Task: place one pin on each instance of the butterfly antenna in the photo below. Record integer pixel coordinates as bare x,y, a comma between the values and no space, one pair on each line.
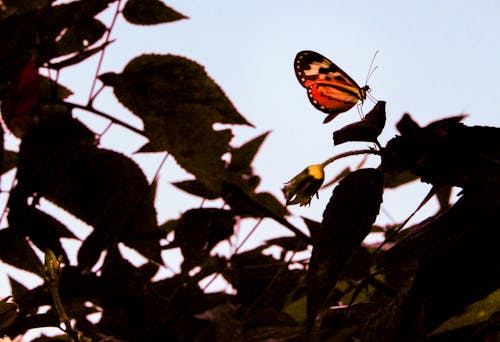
371,69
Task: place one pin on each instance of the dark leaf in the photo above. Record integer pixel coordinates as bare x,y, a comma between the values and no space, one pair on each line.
443,195
43,230
446,152
15,251
367,129
289,243
179,104
261,277
242,157
199,230
269,201
478,312
196,188
79,57
347,220
11,7
59,161
51,90
149,12
396,179
80,36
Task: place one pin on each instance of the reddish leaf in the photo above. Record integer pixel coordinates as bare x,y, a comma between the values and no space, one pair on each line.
20,100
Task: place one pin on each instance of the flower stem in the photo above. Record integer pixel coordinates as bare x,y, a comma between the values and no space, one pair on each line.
348,154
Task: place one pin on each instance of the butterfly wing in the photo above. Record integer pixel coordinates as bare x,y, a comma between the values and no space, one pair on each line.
329,88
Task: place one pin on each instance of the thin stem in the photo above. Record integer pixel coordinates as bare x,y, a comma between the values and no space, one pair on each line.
348,154
101,57
104,115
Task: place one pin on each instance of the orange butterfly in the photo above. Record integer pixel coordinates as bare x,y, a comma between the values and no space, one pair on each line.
330,89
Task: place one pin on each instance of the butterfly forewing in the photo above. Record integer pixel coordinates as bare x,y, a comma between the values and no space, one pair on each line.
329,88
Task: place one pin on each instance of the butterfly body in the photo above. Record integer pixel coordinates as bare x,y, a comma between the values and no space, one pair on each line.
329,88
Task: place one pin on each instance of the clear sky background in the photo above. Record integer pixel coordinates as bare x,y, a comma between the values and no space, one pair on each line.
436,59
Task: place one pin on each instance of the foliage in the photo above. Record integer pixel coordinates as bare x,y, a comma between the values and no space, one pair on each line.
437,280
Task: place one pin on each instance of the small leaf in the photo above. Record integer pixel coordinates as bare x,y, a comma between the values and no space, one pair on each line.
289,243
199,230
242,157
15,251
367,129
79,57
476,313
8,313
150,12
396,179
80,36
53,90
196,188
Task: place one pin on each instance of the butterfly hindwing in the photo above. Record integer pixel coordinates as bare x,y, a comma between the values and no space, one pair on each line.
329,88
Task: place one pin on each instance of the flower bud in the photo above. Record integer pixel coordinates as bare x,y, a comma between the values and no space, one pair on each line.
301,188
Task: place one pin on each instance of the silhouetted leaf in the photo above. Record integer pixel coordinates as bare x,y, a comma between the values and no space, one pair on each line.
15,251
446,152
80,36
60,161
79,57
347,220
52,90
11,7
367,129
43,230
199,230
196,188
396,179
179,103
242,157
149,12
289,243
475,313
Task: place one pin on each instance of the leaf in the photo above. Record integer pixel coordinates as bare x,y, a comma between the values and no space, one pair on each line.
196,188
8,313
15,251
446,152
242,157
199,230
149,12
367,129
43,230
21,98
51,90
289,243
396,179
476,313
80,36
59,161
78,57
11,7
347,220
179,104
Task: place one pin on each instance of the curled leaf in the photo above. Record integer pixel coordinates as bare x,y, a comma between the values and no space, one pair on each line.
367,129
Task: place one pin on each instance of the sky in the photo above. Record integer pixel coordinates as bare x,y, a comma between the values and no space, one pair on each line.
435,59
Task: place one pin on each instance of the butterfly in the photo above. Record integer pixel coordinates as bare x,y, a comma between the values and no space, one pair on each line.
329,88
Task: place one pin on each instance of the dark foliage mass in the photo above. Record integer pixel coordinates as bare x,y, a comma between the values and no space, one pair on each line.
438,280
